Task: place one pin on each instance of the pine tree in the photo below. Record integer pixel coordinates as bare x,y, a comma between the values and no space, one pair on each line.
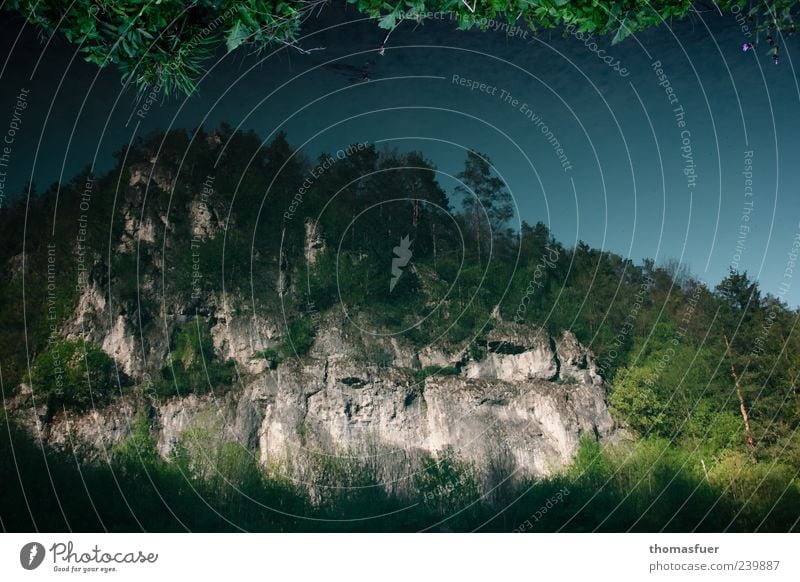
487,202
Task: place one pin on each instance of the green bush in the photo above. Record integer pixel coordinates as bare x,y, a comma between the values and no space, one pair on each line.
635,404
194,366
74,374
297,341
273,357
300,336
429,371
449,487
138,451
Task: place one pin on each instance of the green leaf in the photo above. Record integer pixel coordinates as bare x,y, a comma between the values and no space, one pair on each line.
237,35
388,21
622,33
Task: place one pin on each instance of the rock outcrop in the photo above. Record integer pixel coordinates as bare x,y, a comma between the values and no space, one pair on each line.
525,403
518,400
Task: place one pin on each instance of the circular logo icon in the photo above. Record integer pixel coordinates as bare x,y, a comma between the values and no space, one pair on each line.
31,555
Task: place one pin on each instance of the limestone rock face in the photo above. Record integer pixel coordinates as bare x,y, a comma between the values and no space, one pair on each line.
516,355
119,343
314,241
113,327
536,363
241,336
577,363
90,434
516,401
523,407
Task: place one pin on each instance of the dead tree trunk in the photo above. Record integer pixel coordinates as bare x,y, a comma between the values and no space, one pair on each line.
748,434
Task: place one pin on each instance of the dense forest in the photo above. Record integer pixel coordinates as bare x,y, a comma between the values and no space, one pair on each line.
703,379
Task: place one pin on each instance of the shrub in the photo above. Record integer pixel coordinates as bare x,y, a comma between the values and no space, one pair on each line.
447,484
194,366
634,403
300,336
429,371
298,340
74,374
272,355
138,450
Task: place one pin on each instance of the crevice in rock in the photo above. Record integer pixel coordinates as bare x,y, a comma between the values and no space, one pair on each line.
505,348
308,397
493,401
556,359
352,381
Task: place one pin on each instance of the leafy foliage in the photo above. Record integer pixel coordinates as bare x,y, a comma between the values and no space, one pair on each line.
448,485
164,45
73,373
214,486
299,338
636,403
194,366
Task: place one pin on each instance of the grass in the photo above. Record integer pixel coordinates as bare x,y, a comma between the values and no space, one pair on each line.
212,485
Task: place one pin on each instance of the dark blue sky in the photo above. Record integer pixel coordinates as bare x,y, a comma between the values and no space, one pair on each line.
625,189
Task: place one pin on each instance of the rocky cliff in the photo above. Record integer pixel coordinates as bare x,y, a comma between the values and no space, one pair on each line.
518,404
520,407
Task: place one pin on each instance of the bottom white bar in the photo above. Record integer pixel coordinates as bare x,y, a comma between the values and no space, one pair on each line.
400,557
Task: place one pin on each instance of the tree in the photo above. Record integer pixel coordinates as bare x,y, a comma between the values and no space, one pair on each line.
635,403
486,201
738,291
748,432
741,315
